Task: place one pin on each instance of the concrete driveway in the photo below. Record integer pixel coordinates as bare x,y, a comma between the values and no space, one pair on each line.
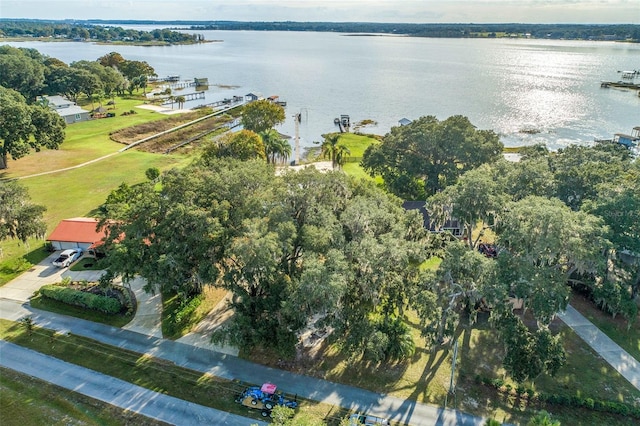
148,314
22,287
202,357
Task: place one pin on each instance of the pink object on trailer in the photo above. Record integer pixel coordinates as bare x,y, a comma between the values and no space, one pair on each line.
268,388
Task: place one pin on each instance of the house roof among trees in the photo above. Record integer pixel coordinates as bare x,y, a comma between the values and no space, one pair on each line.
78,229
427,222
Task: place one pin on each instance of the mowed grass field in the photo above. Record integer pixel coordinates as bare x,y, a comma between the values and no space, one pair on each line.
79,191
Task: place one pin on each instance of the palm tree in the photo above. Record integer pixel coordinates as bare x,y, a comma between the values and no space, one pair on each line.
276,148
331,149
180,100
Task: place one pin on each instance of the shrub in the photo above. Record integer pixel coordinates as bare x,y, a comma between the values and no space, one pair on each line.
28,324
81,298
613,407
177,319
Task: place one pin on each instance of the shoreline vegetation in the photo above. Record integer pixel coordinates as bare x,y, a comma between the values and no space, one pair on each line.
172,32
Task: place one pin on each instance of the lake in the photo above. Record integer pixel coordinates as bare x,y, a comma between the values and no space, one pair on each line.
527,91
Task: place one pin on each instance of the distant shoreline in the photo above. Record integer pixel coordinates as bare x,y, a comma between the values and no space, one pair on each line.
587,32
112,43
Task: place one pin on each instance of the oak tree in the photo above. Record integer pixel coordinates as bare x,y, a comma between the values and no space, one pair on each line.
25,127
425,156
262,115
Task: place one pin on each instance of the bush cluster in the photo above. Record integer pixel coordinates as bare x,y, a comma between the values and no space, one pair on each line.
611,407
128,300
81,298
176,320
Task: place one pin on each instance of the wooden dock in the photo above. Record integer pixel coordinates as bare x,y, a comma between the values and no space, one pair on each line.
344,122
187,97
179,85
236,100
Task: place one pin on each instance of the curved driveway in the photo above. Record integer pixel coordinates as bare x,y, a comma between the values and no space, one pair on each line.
14,305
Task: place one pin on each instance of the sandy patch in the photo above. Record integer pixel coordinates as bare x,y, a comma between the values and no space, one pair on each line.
323,166
163,109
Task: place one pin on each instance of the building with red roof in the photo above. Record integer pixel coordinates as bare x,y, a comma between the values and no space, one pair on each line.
78,232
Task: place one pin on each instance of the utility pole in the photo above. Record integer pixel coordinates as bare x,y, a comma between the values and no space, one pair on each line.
297,118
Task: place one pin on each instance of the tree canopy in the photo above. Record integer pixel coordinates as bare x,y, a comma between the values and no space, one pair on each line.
21,71
262,115
24,127
290,248
19,217
243,145
426,155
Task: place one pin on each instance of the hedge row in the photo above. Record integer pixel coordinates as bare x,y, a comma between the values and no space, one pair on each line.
81,298
612,407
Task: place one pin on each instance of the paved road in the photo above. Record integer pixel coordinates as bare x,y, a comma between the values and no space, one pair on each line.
617,357
142,336
230,367
115,391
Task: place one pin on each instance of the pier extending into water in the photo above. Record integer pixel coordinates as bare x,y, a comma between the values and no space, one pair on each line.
343,123
187,97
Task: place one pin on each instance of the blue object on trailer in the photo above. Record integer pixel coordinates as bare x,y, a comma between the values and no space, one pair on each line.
264,398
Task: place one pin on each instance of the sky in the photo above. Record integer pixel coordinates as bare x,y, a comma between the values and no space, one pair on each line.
409,11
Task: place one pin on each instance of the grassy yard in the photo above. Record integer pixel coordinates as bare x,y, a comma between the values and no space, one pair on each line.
585,374
149,372
624,334
357,144
78,192
84,141
211,296
426,376
37,403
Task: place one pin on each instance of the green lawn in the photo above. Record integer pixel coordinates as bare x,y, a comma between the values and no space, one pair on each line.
34,402
78,192
585,374
149,372
624,334
357,144
84,141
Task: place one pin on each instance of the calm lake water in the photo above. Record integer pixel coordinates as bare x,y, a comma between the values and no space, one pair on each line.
509,86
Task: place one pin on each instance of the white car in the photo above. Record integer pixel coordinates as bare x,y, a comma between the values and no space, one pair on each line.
67,257
367,420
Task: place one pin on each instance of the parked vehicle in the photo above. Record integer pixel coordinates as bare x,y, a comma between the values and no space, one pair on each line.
67,257
367,420
264,398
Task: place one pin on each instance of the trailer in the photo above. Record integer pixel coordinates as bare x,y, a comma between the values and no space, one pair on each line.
265,398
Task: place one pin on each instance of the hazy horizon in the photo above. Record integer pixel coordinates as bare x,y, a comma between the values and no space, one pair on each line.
406,11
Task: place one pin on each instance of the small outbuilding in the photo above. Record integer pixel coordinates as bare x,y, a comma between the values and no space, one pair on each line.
253,96
404,121
78,232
